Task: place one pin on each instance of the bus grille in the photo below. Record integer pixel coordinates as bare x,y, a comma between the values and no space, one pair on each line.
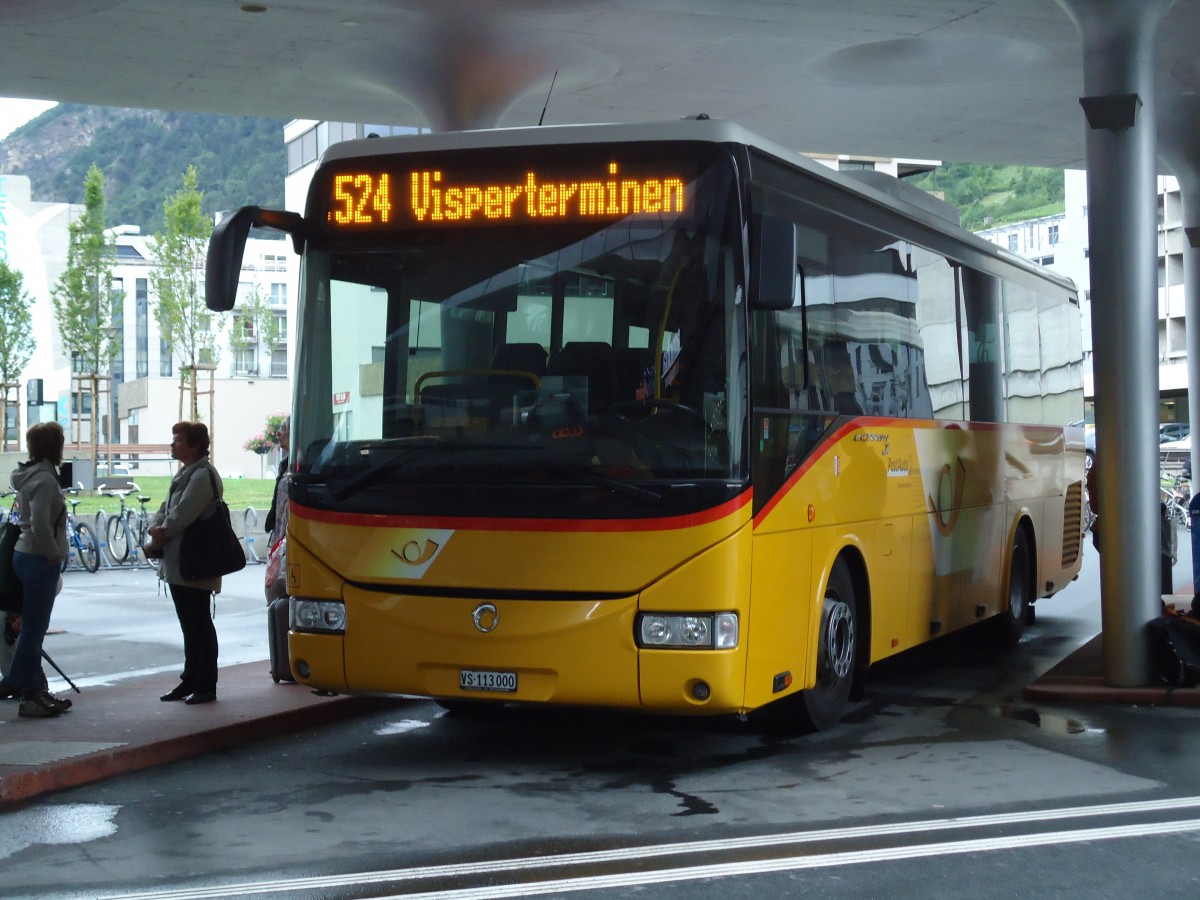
1072,524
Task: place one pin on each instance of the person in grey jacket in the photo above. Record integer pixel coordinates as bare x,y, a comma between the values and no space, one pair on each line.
37,562
193,494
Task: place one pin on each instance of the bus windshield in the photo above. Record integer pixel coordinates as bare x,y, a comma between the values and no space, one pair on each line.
582,366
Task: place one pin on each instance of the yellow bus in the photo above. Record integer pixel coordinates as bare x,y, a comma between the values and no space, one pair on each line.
657,417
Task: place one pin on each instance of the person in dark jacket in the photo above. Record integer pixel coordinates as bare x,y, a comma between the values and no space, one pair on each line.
1168,550
285,436
37,562
192,495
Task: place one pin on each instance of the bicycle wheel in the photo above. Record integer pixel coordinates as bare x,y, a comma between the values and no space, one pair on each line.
87,548
1179,514
119,539
143,536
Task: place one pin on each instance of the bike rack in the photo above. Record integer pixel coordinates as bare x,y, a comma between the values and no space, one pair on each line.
101,520
250,523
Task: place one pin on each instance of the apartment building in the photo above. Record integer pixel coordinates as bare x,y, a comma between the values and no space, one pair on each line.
1060,242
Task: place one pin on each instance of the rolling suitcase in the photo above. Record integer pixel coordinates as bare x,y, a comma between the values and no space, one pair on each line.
277,640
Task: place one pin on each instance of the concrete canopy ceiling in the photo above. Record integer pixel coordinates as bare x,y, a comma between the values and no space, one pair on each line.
959,80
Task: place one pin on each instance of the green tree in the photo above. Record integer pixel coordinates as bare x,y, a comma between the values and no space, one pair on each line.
255,321
16,339
84,300
183,320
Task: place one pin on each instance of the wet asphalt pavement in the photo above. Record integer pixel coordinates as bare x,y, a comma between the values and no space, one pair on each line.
944,782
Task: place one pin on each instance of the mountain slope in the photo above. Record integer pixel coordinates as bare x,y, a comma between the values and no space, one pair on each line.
143,155
242,160
986,196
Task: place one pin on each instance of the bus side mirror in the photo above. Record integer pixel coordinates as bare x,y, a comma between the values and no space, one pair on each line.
223,265
773,250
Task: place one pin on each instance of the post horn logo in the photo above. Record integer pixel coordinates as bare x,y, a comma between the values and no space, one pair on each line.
948,503
414,554
486,617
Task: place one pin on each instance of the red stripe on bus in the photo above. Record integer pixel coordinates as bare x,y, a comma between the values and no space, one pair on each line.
819,453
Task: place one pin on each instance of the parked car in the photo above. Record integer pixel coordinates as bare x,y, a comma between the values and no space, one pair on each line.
1173,431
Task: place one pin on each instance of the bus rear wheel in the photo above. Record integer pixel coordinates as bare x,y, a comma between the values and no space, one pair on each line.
1011,623
823,705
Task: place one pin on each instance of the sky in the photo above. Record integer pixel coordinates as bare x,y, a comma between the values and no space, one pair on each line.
15,113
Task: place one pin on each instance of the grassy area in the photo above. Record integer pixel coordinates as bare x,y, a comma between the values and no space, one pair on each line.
239,493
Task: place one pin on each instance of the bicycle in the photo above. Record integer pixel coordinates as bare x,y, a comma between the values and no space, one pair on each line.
1176,497
127,530
81,540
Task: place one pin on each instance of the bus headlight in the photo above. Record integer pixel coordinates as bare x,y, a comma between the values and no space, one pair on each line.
324,616
700,631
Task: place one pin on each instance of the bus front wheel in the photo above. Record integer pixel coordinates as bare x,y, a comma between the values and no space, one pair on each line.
822,705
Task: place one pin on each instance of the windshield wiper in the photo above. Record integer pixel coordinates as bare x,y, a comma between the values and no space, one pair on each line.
407,447
402,453
633,491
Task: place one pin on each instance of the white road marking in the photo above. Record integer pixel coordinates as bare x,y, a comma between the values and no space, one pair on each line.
722,870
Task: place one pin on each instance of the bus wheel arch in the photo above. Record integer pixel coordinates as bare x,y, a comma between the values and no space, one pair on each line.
857,567
842,645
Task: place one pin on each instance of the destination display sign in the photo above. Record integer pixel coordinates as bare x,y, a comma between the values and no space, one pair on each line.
440,196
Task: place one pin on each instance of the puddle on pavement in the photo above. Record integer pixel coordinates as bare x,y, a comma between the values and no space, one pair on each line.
401,727
74,823
1048,722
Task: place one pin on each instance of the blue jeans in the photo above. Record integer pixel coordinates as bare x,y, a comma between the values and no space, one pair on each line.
39,578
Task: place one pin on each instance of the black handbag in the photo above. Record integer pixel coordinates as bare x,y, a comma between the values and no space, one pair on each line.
209,548
12,592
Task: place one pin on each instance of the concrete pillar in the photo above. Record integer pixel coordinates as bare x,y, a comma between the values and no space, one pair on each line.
1119,104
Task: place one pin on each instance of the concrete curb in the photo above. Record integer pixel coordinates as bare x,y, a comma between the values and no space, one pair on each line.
1080,679
125,728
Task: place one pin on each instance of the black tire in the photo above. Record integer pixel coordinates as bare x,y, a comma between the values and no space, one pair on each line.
824,704
142,534
87,548
119,539
1017,613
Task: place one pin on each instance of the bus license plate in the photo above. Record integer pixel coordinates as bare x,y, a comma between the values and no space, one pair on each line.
475,680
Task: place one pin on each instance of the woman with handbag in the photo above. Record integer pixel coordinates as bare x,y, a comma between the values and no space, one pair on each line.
193,495
37,561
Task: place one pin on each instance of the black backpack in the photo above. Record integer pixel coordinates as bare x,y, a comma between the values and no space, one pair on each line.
1175,648
12,593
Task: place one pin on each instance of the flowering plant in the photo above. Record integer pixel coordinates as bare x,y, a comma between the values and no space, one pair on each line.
274,426
259,444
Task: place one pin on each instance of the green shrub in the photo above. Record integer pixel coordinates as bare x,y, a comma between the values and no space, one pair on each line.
239,494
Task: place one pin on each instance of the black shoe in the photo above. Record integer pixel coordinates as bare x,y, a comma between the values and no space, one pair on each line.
38,707
182,692
201,697
7,691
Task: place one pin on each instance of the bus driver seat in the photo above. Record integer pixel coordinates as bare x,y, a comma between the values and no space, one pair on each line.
596,361
522,357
